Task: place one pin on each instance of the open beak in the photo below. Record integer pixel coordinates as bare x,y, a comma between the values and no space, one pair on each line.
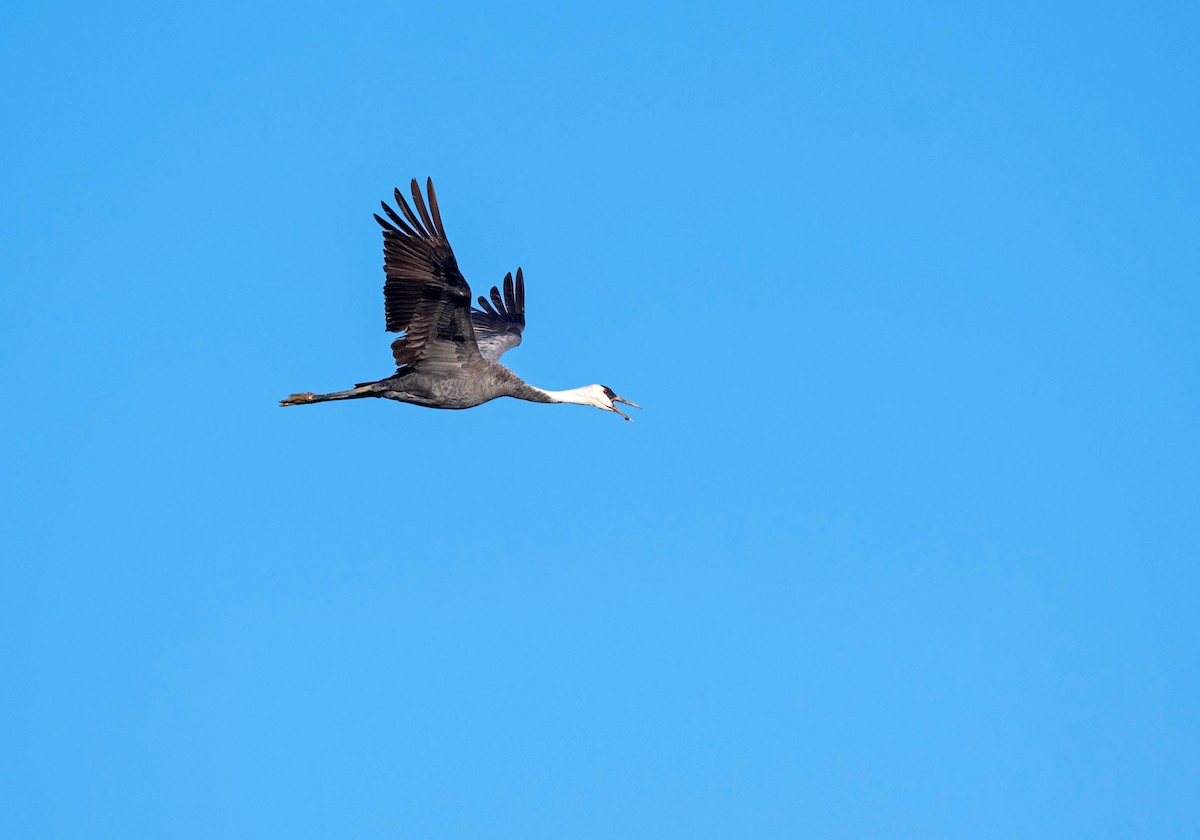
626,402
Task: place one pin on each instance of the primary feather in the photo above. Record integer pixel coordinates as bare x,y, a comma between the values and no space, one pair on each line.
500,321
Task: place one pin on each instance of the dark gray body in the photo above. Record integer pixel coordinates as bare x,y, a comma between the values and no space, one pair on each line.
486,381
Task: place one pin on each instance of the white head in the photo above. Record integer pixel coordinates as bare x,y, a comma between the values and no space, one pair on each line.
602,397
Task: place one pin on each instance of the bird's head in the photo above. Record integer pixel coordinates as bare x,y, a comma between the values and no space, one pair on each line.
604,398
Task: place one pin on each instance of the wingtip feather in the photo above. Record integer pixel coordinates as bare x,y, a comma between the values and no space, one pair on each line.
402,203
419,201
434,209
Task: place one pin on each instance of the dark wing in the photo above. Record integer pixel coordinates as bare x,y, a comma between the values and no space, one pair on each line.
425,295
498,325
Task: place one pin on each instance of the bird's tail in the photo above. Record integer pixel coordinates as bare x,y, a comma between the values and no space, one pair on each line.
310,397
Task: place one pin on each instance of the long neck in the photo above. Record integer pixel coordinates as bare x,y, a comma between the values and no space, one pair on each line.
574,395
529,392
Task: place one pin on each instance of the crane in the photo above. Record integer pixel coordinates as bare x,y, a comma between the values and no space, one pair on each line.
447,355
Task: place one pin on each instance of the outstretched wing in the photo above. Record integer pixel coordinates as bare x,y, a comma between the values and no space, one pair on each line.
425,295
498,325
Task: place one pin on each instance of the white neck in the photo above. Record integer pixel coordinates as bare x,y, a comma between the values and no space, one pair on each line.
574,395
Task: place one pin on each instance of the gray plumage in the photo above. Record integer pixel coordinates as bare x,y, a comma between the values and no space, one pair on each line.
446,355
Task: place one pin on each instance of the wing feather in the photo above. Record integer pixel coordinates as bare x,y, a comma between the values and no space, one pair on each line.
500,322
433,208
425,295
420,202
402,203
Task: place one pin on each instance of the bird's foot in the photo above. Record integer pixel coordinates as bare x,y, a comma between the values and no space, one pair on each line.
299,399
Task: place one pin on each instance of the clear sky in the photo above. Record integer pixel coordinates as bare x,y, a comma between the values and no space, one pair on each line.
904,544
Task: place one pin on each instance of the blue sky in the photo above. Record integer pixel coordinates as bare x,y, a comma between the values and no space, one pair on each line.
904,543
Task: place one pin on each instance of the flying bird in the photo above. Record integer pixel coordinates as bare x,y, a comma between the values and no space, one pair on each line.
447,355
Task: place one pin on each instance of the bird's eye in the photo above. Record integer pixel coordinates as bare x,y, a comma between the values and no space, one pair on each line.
608,392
